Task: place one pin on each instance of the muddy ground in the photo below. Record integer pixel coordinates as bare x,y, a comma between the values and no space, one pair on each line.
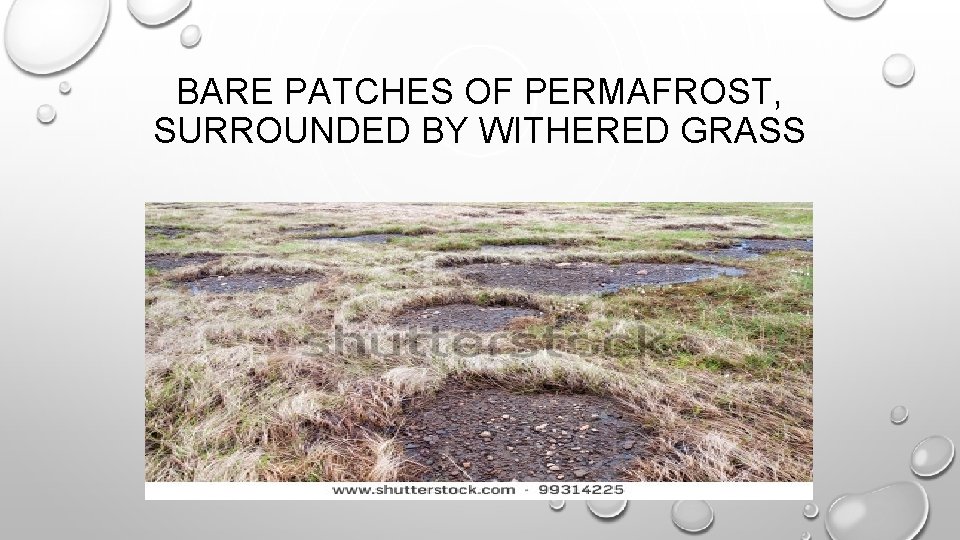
166,231
465,317
492,434
587,278
250,282
169,261
763,245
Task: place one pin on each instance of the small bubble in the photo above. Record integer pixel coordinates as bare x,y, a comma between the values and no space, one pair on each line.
190,36
932,456
805,536
155,12
557,505
46,114
854,9
46,36
692,516
899,414
811,511
893,512
898,69
65,87
606,509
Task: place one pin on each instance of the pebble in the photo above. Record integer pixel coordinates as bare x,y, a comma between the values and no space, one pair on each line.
486,434
627,445
580,473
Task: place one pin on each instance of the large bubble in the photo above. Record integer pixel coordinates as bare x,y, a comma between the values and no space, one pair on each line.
46,36
156,12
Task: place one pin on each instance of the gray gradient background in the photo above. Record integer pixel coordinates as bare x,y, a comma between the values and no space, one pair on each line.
880,165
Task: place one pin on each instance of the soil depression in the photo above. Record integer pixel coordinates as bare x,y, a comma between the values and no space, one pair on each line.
491,434
587,278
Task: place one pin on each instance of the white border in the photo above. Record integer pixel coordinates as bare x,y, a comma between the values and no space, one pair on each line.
306,491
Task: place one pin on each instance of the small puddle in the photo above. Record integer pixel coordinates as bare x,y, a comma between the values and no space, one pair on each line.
587,278
484,435
467,317
249,282
754,248
169,261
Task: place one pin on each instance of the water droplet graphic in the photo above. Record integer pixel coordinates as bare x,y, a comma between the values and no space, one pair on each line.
156,12
692,516
65,87
854,9
811,511
46,114
606,509
932,456
805,536
190,36
46,36
893,512
898,69
899,414
557,505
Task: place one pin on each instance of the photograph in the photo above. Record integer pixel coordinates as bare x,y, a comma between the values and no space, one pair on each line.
478,342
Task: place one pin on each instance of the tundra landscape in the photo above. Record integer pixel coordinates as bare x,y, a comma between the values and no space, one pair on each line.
479,342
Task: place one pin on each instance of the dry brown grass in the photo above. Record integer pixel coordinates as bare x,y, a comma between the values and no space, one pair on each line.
245,386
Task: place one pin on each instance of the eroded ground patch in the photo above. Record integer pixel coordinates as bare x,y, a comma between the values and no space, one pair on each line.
465,317
169,261
763,245
587,278
248,282
495,435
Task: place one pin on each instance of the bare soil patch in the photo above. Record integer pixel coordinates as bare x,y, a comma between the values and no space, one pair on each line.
468,317
248,282
586,278
766,245
169,261
696,227
482,435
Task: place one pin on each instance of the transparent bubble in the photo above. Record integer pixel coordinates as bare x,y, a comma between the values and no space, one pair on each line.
46,36
811,510
893,512
65,87
46,114
190,36
692,516
932,456
606,509
155,12
898,69
854,9
557,505
805,536
899,414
